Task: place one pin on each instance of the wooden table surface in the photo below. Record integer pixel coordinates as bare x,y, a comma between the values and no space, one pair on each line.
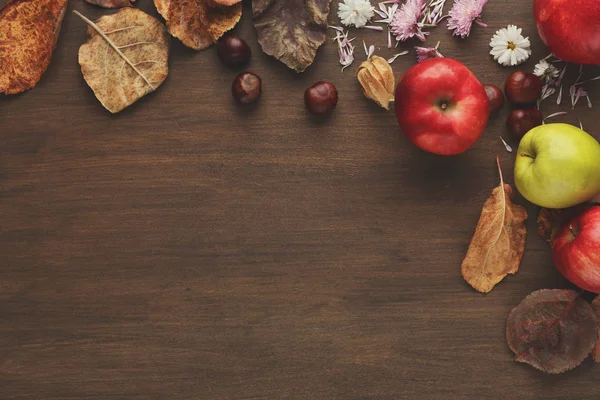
191,249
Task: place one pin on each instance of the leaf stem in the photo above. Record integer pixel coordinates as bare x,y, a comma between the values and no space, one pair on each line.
113,45
500,172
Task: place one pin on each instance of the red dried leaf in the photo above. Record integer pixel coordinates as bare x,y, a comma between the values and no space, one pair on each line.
549,221
198,23
552,330
111,3
28,33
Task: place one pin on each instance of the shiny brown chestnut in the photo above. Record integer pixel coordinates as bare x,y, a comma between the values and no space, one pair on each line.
321,98
523,88
521,121
246,88
233,51
495,96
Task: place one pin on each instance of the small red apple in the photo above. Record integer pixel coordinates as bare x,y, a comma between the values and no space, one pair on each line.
441,106
576,250
570,29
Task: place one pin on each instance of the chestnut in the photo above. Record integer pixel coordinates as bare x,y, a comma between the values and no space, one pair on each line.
246,88
495,96
523,88
321,98
233,51
521,121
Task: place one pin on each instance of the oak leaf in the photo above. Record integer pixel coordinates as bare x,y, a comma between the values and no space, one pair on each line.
111,3
125,58
198,23
291,30
28,33
227,3
552,330
497,246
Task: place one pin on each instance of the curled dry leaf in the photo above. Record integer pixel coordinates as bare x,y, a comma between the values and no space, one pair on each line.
596,309
550,220
28,33
125,58
198,23
552,330
377,80
111,3
497,246
291,30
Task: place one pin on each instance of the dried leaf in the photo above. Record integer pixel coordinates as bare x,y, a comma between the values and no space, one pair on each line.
198,23
291,30
28,33
227,3
550,220
125,58
497,246
552,330
377,80
596,308
111,3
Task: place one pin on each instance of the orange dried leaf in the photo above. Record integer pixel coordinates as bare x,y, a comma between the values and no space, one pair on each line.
497,246
198,23
111,3
28,33
227,3
125,58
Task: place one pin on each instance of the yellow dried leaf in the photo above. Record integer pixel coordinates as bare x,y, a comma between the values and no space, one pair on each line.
497,246
125,58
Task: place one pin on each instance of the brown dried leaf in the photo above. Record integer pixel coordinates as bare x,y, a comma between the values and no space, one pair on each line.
550,220
497,246
291,30
198,23
552,330
125,58
596,309
377,80
28,33
111,3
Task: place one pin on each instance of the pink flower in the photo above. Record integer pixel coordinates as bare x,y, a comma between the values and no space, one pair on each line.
405,23
462,15
423,53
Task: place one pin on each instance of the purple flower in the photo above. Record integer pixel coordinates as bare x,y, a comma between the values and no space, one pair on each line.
423,53
405,23
462,15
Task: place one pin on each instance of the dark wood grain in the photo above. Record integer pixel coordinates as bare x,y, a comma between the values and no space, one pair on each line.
191,249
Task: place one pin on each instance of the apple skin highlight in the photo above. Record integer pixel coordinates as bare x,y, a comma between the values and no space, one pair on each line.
441,106
576,250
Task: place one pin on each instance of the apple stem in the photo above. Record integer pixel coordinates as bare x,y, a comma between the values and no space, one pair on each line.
527,155
573,231
500,170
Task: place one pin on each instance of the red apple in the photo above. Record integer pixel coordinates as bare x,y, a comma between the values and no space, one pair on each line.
570,29
441,106
576,250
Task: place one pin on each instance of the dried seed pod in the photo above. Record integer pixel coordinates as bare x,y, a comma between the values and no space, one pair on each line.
377,80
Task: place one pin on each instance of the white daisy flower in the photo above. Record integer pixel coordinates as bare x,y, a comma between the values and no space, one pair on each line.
509,47
356,12
546,71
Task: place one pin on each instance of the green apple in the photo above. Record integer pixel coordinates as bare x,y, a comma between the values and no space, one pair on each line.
558,166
